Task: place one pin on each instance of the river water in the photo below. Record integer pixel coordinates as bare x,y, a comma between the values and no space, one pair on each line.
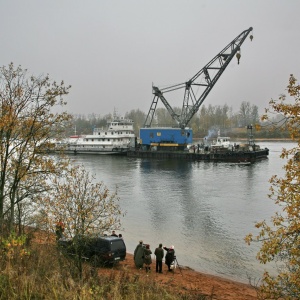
204,209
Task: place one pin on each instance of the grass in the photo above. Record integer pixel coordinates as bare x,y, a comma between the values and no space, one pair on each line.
44,273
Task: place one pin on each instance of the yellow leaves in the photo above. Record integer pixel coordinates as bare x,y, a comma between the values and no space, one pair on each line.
257,127
249,238
14,246
260,224
281,240
84,205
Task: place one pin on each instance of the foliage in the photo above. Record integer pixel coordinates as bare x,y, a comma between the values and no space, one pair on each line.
46,274
281,240
85,208
13,247
27,126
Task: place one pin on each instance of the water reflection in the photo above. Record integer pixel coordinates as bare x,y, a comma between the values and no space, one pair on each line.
204,209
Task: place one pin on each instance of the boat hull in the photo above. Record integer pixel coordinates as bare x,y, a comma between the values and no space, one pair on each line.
210,156
97,151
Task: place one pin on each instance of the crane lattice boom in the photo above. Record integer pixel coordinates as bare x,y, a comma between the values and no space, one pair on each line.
205,79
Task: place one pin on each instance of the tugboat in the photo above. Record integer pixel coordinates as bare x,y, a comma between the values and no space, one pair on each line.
223,150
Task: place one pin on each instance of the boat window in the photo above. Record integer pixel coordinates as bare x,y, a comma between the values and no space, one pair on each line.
92,140
105,133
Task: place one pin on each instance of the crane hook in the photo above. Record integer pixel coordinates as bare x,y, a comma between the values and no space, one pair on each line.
238,56
251,37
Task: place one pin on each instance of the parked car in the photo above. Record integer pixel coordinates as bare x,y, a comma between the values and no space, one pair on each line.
99,250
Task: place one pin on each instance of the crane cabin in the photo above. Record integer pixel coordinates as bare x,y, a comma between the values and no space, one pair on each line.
165,138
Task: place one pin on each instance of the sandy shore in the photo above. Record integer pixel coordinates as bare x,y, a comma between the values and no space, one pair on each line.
186,280
183,279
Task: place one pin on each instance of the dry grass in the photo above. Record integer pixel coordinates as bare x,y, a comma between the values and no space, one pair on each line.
46,274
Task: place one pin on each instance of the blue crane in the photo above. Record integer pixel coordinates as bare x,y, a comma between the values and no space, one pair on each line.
204,80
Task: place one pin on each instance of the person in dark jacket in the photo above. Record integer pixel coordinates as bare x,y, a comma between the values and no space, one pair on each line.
147,257
138,255
169,256
159,253
114,233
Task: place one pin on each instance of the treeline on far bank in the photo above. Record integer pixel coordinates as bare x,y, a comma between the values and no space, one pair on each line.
207,122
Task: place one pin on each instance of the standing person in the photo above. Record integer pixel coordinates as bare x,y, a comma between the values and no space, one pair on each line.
114,233
159,253
138,255
147,257
169,256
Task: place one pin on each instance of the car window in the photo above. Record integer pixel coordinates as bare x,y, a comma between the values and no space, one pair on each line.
115,245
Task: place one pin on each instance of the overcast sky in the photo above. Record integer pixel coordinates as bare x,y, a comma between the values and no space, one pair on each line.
112,51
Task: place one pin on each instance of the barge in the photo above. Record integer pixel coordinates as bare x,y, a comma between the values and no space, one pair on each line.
233,155
219,150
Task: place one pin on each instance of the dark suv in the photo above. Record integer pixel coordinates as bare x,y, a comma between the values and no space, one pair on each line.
99,250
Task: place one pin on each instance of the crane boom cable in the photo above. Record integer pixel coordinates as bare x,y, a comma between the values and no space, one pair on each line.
222,59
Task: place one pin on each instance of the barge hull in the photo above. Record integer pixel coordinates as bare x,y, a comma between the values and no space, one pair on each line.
230,156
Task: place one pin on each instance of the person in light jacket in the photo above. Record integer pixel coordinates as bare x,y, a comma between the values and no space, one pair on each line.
147,257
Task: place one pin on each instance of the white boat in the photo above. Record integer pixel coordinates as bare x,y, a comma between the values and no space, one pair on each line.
222,142
116,139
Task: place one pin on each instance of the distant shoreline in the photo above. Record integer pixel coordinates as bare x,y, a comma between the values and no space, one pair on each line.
259,139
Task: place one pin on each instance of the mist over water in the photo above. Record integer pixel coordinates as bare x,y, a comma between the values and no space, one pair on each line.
204,209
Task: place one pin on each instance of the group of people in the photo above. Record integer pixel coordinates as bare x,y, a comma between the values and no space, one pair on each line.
142,256
114,234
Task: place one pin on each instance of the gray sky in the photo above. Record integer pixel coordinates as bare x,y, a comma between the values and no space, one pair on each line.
112,51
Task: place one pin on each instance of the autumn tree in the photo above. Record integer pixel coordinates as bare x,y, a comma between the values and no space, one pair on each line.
280,240
27,125
85,207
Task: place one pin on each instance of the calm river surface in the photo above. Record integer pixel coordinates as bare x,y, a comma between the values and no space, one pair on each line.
203,209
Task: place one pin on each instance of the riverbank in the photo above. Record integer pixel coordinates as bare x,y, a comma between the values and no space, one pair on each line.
185,280
182,280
